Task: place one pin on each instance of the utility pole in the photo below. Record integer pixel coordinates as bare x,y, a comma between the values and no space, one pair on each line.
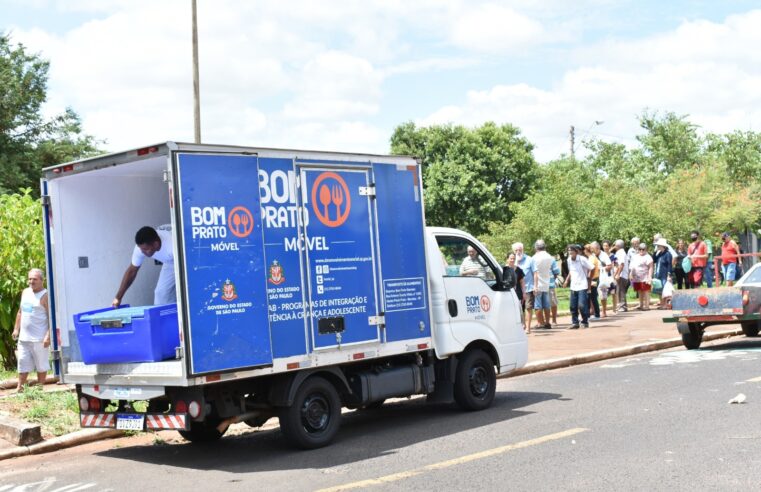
573,140
196,84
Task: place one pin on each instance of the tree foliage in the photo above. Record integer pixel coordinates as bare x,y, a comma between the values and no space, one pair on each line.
29,141
470,175
21,248
673,182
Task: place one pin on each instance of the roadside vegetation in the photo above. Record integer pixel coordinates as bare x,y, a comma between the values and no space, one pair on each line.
55,411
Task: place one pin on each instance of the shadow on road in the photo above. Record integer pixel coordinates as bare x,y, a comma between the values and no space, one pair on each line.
363,435
742,343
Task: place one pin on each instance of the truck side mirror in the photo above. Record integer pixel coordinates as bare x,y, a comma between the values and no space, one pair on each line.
508,278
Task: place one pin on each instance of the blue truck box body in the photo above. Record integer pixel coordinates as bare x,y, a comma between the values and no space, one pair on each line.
284,257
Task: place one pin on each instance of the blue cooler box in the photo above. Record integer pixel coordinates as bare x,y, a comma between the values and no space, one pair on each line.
128,334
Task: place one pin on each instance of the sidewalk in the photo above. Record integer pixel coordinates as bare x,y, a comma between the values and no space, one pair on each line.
617,336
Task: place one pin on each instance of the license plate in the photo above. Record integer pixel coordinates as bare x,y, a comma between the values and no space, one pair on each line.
130,422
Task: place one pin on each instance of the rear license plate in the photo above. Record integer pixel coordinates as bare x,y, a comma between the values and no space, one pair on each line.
130,422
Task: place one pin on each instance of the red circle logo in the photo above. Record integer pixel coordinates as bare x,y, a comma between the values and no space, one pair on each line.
485,304
333,200
240,221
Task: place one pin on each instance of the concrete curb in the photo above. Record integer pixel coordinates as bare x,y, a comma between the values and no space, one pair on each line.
66,441
546,365
12,383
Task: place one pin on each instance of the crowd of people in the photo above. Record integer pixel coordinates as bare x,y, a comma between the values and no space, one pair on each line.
600,272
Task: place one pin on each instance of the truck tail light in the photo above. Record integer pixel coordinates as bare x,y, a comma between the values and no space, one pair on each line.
703,301
180,407
90,404
194,409
746,298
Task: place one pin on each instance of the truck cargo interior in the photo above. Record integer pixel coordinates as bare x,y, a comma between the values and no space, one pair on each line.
103,210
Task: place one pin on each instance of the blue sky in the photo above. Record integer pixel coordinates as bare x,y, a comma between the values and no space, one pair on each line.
339,75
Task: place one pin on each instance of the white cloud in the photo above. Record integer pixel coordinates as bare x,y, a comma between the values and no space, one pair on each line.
494,29
709,71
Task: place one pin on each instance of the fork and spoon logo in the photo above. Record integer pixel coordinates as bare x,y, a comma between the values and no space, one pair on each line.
333,200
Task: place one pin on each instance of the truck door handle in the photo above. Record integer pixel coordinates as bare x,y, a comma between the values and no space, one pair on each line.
452,308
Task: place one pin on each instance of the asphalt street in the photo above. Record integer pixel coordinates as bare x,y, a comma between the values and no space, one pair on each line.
659,421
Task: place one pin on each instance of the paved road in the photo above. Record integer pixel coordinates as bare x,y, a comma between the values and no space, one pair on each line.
658,421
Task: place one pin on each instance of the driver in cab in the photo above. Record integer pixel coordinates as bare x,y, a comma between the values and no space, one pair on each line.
471,266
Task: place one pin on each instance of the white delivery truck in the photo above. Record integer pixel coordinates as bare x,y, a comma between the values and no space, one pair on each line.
306,282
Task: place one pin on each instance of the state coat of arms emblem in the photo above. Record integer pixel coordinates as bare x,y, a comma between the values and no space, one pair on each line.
228,291
276,276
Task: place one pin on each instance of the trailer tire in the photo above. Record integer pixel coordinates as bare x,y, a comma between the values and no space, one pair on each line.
475,381
313,419
202,432
694,338
751,328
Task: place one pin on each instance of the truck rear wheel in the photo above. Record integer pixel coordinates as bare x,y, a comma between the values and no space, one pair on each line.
694,338
200,432
475,381
751,328
313,419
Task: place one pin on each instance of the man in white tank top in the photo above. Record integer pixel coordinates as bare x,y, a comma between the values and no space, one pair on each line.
32,331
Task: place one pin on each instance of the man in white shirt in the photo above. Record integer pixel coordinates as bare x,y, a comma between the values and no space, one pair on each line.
579,268
32,331
542,273
621,275
471,265
158,245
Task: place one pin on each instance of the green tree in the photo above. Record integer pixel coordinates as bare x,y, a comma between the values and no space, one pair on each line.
741,151
28,141
21,248
470,176
669,143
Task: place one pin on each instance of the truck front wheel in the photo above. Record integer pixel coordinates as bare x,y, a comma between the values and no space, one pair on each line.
313,419
694,337
475,381
751,328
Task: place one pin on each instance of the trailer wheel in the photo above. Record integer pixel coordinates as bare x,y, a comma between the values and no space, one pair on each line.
201,432
315,415
751,328
694,338
475,381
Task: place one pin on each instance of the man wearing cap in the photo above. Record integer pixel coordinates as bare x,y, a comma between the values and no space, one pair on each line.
729,259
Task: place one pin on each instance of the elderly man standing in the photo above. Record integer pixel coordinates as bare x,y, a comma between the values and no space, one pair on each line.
621,275
526,263
32,332
542,273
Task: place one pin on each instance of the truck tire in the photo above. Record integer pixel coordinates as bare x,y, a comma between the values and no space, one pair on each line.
201,432
694,338
313,419
475,381
751,328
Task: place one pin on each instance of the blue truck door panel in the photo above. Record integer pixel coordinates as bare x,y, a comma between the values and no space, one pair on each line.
401,237
224,266
338,241
285,291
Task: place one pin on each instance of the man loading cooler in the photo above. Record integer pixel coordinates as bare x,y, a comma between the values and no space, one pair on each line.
156,244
